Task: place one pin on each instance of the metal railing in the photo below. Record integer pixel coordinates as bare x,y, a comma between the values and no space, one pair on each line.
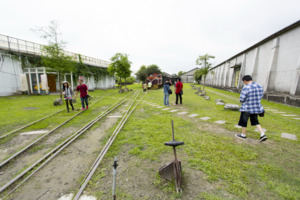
26,47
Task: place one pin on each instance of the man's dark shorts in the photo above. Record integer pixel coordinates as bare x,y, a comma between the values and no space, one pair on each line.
244,119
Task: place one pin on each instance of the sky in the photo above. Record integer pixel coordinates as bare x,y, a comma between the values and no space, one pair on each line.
168,33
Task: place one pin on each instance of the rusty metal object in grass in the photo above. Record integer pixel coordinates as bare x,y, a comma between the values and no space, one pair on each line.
173,169
115,165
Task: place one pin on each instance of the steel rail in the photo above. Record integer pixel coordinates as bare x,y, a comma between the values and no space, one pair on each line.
40,138
14,131
105,149
50,155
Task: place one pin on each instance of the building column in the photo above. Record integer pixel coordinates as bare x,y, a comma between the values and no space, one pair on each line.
272,65
295,90
37,81
72,85
255,64
242,72
47,86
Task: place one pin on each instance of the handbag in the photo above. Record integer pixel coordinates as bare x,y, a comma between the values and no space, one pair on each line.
170,91
262,114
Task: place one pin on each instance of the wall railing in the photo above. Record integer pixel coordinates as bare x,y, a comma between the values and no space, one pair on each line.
26,47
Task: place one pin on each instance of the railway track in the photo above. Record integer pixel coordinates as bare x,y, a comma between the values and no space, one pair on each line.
32,123
32,169
106,148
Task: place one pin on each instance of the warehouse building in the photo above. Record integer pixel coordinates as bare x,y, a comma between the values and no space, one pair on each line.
16,78
273,62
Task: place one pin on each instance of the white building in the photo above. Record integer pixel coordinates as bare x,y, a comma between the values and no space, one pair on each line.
188,77
15,78
273,62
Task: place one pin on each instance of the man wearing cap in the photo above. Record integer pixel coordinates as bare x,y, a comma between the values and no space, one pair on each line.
83,94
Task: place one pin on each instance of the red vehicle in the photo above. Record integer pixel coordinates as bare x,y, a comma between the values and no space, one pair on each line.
156,80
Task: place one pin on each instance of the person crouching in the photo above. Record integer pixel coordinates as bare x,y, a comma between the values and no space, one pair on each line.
68,94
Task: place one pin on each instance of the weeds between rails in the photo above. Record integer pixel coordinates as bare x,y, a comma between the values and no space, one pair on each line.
106,148
45,159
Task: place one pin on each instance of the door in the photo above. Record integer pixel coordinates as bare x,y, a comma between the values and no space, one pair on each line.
51,82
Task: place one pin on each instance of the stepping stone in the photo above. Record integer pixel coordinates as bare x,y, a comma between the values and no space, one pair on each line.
289,136
289,115
279,112
220,122
160,107
34,132
297,118
237,126
114,116
264,130
220,103
193,115
30,108
205,118
166,109
182,113
173,110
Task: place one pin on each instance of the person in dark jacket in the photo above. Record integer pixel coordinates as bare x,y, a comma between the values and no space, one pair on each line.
68,94
167,87
83,94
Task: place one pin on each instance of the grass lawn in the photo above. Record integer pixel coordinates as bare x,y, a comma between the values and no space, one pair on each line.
216,164
224,166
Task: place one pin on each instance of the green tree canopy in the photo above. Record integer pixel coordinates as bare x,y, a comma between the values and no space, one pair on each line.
205,67
54,56
120,66
144,72
180,73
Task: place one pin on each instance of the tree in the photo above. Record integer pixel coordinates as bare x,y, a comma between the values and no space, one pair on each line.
153,69
180,73
205,66
198,75
53,54
142,73
120,66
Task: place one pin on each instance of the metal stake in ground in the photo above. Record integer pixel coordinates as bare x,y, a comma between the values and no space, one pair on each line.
176,164
115,165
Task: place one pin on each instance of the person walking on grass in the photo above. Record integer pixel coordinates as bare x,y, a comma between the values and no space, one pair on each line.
178,92
83,94
145,87
68,94
149,86
250,98
167,87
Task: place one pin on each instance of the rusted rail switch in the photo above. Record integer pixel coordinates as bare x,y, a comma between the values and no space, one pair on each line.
172,171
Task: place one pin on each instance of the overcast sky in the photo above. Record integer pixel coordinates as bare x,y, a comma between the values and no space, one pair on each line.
169,33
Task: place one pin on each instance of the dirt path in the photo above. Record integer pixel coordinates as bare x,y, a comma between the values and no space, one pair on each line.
63,174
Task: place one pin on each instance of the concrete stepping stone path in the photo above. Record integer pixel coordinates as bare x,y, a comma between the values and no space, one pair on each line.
237,126
289,136
220,122
181,113
160,107
297,118
204,118
264,130
193,115
173,110
166,108
289,115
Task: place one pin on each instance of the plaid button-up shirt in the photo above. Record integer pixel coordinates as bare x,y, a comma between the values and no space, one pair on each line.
250,98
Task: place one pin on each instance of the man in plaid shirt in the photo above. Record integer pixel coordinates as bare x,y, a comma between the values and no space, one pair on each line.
250,98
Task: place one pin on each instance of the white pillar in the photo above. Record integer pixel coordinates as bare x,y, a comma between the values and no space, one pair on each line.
37,80
72,81
30,80
296,81
47,87
272,65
